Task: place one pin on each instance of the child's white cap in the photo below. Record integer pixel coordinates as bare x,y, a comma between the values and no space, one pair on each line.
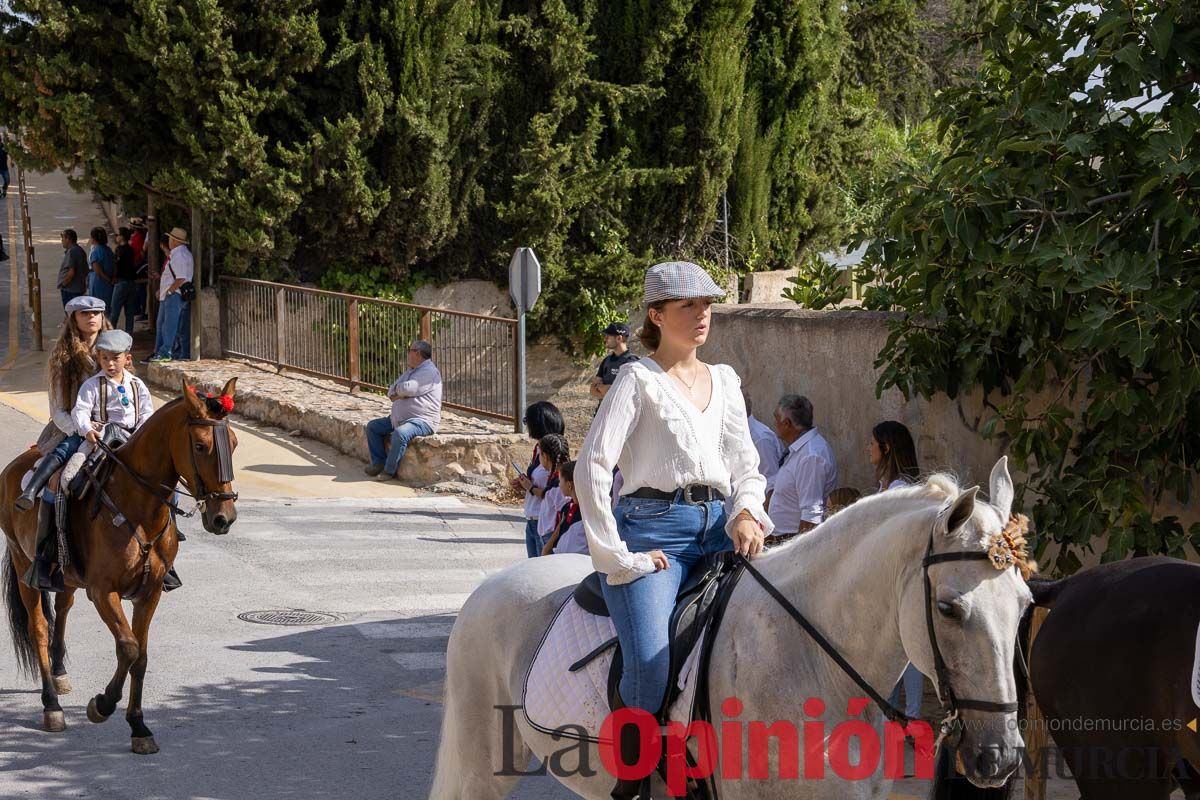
114,341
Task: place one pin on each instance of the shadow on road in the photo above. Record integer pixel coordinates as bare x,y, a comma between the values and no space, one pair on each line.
315,712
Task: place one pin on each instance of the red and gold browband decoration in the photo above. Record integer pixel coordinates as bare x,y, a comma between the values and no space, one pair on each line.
225,400
1008,548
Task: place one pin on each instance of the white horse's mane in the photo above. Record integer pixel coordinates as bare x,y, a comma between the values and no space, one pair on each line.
940,488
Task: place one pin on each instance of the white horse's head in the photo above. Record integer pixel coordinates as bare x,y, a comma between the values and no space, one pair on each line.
976,610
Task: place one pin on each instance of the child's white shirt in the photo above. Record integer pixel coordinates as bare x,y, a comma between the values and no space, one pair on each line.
129,415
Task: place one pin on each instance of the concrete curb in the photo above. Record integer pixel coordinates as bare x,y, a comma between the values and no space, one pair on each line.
447,456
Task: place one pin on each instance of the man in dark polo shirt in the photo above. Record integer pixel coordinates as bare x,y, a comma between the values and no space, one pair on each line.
73,273
616,339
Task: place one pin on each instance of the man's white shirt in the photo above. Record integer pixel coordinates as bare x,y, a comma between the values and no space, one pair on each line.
803,482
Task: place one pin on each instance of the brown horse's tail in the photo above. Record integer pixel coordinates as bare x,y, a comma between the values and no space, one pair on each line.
18,618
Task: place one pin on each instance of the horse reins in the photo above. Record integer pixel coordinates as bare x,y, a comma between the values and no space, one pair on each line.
224,450
951,725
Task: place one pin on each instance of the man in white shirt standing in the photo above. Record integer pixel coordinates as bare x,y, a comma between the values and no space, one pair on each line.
769,446
173,310
807,472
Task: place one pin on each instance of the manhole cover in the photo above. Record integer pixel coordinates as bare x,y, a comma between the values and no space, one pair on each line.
295,616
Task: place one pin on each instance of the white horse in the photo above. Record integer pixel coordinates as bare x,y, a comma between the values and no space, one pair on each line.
858,578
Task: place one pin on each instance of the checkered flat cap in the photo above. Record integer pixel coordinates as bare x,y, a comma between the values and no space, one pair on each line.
679,280
114,341
84,303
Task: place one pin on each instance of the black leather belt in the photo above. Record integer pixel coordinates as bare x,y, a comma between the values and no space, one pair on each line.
692,495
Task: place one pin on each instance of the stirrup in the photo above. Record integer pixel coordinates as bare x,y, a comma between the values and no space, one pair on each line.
44,576
171,580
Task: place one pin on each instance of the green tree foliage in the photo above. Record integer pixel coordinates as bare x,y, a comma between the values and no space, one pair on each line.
193,98
366,143
1049,259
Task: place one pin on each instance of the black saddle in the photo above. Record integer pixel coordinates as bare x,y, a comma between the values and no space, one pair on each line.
701,599
96,463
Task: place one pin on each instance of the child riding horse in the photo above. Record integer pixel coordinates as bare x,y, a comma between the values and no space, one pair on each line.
122,552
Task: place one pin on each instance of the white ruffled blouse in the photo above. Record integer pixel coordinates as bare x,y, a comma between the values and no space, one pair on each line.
662,441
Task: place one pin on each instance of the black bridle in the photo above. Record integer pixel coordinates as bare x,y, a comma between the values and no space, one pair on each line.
951,727
224,448
199,492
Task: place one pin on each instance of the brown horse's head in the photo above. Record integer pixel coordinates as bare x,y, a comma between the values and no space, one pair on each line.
203,453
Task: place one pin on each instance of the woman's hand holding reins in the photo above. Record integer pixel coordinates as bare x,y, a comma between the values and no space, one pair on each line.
660,560
747,535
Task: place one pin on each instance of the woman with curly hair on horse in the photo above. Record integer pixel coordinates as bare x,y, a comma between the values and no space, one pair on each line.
72,362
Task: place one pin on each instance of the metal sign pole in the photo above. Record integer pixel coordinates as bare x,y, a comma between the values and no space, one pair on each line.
520,415
524,284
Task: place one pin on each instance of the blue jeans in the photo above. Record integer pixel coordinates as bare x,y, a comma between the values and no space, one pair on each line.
182,349
533,542
167,328
98,287
124,298
378,431
641,610
67,448
914,686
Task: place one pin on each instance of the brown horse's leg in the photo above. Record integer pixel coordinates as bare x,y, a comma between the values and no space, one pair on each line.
58,644
143,612
108,605
39,633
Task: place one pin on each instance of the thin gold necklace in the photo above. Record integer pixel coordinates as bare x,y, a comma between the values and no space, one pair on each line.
695,377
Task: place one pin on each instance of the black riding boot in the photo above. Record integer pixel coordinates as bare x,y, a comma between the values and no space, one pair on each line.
44,574
171,580
41,476
630,744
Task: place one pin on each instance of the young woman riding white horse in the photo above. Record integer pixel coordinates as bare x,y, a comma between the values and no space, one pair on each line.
678,428
902,576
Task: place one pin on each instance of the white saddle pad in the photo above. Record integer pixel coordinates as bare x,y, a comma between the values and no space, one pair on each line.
555,697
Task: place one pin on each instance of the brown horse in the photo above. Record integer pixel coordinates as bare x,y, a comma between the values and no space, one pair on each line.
122,552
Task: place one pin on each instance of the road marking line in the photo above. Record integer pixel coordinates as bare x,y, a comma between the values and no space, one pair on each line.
14,402
431,660
404,630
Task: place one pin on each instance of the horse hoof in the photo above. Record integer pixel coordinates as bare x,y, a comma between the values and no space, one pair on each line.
62,684
144,745
94,714
54,721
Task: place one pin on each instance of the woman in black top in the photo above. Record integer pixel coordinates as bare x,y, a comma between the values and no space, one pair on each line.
125,291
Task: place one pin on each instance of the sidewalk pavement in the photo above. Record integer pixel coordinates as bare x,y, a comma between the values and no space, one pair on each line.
270,463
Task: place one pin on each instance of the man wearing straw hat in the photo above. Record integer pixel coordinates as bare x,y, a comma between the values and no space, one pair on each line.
173,309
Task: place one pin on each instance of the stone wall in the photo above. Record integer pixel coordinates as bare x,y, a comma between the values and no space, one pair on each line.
328,413
767,287
828,356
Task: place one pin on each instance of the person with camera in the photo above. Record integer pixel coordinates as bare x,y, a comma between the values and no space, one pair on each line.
175,292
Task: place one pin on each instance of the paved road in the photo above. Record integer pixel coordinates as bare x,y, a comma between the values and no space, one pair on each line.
344,709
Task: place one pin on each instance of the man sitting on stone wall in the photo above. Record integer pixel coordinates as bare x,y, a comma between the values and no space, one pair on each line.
416,411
